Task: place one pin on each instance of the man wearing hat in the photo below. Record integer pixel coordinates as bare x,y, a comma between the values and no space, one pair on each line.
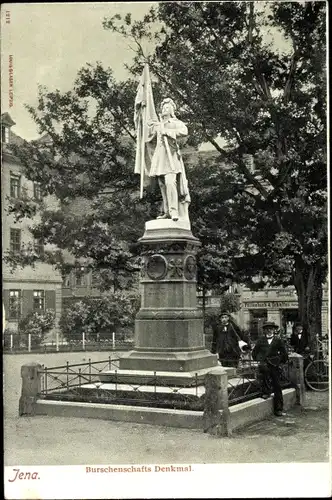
226,339
270,351
299,340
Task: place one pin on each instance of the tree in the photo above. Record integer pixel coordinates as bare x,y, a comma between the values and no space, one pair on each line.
98,317
37,324
261,223
231,82
229,303
86,160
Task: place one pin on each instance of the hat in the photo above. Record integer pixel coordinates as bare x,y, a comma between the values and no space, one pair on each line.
270,324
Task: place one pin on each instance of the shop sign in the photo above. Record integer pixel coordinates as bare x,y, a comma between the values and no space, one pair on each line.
271,304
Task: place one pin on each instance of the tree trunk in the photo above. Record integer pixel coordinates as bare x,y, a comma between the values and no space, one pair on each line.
308,282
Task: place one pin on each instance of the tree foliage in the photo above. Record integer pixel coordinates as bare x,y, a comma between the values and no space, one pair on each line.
261,223
220,62
99,317
37,324
229,303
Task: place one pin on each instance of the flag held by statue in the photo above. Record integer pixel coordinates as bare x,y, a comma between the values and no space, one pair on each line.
144,114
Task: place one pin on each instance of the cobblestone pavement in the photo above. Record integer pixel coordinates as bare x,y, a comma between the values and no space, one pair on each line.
301,436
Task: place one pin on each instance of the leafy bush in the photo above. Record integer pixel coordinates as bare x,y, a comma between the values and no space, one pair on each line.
98,317
37,323
210,318
229,303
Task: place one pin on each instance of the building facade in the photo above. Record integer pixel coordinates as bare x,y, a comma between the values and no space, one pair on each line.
276,304
28,288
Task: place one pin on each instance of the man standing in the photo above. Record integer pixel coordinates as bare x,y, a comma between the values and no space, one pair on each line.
299,340
225,341
270,351
167,164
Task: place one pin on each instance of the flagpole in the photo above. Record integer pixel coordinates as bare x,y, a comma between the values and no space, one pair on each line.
143,126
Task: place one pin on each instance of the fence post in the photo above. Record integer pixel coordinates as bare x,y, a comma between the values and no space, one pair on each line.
216,417
29,342
57,340
31,388
83,340
11,341
296,376
113,340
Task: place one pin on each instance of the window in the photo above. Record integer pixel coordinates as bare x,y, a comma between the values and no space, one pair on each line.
15,186
37,191
39,247
5,135
257,318
66,281
38,300
14,304
15,240
80,277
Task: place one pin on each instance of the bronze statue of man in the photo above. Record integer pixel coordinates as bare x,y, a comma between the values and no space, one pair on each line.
167,164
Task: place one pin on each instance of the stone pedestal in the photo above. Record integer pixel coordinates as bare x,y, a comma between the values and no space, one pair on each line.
169,333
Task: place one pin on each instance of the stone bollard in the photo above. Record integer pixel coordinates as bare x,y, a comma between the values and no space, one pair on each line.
217,422
296,376
31,387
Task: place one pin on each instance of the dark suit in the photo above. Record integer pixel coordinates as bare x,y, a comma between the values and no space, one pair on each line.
225,343
299,344
270,357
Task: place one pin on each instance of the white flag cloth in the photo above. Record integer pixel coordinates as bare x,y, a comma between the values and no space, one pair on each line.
144,113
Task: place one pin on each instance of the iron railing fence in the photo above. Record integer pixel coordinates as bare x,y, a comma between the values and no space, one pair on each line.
23,343
246,385
81,382
69,376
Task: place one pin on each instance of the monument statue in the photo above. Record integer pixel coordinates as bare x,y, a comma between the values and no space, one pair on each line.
158,153
169,326
167,164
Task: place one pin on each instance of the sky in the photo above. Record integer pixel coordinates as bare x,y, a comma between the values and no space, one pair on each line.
49,43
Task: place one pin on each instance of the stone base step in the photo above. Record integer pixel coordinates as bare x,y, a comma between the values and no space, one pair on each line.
240,415
186,398
162,378
163,389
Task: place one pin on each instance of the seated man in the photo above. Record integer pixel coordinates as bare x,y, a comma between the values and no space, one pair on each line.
270,352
